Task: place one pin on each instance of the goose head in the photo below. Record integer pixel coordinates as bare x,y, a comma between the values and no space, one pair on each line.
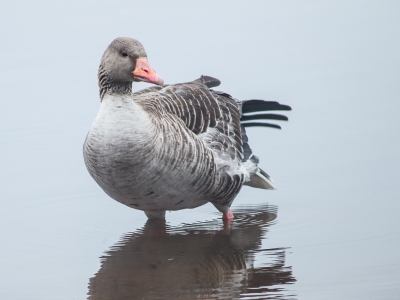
123,62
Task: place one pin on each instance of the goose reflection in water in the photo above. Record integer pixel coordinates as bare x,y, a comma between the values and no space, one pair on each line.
195,261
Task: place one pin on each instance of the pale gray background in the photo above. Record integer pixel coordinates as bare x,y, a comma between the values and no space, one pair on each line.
336,162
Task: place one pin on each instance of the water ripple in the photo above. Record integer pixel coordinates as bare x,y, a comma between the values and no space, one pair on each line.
203,260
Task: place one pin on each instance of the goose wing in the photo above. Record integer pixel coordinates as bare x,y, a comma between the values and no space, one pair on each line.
213,121
213,117
219,121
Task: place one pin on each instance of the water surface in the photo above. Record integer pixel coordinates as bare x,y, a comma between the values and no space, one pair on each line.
206,260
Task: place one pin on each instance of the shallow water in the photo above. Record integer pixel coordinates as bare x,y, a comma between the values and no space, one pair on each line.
330,231
206,260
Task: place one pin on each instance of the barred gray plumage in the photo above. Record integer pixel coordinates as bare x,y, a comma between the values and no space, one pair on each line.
170,147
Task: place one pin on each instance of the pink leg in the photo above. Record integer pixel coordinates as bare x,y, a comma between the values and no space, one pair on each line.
228,215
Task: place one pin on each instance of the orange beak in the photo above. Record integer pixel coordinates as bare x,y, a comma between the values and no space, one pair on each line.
143,72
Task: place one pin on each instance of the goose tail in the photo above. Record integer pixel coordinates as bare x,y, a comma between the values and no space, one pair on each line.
261,180
252,116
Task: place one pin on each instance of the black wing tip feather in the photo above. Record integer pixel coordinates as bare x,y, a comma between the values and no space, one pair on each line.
255,106
258,124
264,117
250,106
210,81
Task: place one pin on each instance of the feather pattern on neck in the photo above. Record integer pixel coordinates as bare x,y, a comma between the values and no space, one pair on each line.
107,86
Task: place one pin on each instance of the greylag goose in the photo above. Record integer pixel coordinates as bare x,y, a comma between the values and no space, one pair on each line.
170,147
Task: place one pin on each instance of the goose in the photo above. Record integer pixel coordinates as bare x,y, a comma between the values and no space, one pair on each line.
171,146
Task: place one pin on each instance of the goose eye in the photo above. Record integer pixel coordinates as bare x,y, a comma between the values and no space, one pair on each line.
124,54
